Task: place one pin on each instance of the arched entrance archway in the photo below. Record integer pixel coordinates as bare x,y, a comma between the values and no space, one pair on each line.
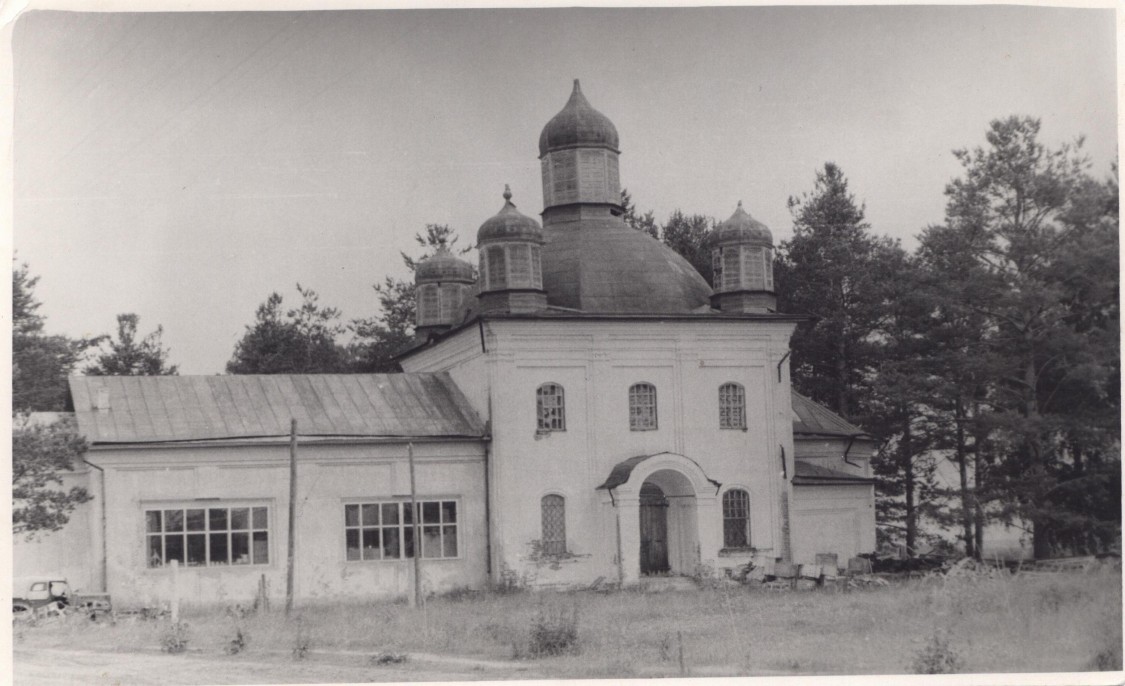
668,528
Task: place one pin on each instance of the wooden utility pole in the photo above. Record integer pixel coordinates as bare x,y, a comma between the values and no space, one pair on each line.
416,599
292,514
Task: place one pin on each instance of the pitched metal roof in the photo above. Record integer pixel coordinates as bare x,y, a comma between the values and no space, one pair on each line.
815,475
143,409
809,418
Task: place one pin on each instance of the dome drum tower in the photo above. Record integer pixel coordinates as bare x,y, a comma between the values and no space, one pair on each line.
443,285
742,262
511,273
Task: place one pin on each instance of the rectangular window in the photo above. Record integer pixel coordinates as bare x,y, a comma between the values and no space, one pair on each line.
497,269
207,537
519,266
767,257
642,407
736,519
752,268
536,268
429,305
385,530
732,270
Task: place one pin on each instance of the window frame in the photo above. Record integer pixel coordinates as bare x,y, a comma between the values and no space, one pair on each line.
729,404
639,407
402,528
730,520
252,531
544,423
556,545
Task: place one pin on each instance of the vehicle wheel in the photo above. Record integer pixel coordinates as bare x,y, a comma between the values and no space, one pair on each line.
21,612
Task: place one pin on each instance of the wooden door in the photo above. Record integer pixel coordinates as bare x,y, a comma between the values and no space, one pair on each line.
654,530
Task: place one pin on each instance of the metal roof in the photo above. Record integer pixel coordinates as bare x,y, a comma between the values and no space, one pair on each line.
809,418
145,409
814,475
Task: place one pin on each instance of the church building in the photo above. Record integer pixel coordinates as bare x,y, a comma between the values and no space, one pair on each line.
581,407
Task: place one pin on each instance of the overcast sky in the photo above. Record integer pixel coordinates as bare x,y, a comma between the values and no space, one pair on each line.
183,166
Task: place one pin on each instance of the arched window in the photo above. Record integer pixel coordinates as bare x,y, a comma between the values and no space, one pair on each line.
736,519
732,406
553,512
550,405
642,407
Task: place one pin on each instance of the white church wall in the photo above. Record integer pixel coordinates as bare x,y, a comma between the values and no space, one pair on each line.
832,519
65,553
329,476
596,363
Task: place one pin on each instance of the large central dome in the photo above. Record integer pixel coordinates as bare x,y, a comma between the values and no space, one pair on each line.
602,265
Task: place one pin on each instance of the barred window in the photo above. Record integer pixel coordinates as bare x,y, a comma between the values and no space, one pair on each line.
204,537
642,407
732,271
497,268
753,268
732,406
385,530
536,268
553,511
736,519
519,265
551,407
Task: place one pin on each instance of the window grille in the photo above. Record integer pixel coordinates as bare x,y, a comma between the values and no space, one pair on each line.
732,271
642,407
385,530
429,305
519,265
732,406
497,268
736,519
450,302
207,537
551,407
753,268
536,268
553,509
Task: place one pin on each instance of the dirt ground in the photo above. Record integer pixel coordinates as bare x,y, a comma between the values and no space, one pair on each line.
58,667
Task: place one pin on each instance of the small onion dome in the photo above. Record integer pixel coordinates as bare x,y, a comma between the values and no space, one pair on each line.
741,228
578,125
442,266
509,224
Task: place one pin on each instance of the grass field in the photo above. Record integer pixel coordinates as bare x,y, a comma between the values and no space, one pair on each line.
1063,622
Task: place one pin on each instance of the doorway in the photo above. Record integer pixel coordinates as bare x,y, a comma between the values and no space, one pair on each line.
654,530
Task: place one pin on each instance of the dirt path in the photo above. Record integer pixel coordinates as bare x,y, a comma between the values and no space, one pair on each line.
56,667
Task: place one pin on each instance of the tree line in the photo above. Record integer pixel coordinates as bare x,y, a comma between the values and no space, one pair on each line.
993,346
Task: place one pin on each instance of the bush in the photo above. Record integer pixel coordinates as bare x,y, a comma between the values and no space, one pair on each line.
937,657
237,644
554,631
174,637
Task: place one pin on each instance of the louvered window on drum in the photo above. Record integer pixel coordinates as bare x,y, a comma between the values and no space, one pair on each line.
551,407
717,267
429,305
497,268
553,512
536,268
519,265
732,406
450,302
642,407
483,271
767,257
736,519
731,268
752,268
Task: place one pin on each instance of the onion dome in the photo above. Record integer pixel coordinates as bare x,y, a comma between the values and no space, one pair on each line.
443,288
509,224
742,263
578,125
443,266
742,228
